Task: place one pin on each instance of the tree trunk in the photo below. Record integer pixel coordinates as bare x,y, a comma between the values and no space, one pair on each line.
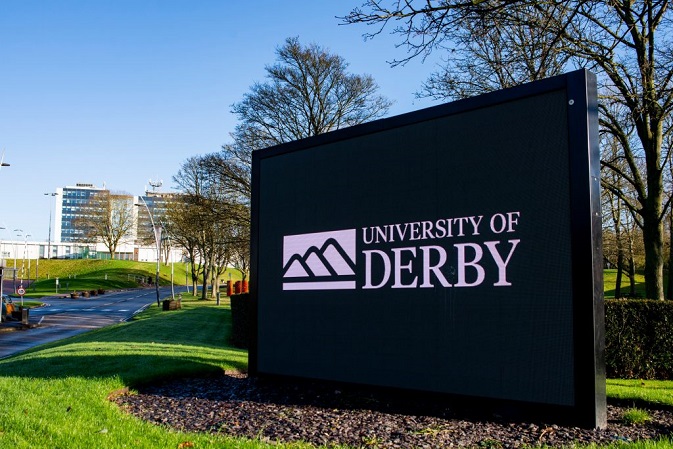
620,256
649,128
669,290
620,269
204,290
195,278
631,268
632,277
654,254
669,287
213,283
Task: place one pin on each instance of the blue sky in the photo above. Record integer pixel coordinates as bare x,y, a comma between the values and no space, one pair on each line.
118,92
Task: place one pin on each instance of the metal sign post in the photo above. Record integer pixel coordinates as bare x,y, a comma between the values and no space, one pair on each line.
2,291
21,291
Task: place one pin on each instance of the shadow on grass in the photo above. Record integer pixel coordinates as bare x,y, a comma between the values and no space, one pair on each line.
133,370
625,289
169,345
640,293
609,279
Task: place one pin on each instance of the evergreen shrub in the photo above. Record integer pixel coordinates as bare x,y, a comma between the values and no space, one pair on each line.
639,339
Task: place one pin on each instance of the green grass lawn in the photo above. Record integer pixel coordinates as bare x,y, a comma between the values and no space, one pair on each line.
657,392
56,396
610,278
89,274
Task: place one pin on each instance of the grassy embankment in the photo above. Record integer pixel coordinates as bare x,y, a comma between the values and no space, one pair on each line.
88,274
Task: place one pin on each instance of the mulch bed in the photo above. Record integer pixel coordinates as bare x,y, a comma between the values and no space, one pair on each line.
285,411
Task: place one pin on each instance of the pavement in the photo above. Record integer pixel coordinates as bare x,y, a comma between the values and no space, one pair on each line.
16,325
16,337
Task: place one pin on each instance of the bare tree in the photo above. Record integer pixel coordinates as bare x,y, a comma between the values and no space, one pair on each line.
239,239
485,58
182,224
109,219
203,224
308,92
231,170
192,224
629,44
619,221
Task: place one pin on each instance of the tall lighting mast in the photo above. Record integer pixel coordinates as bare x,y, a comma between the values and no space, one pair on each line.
49,238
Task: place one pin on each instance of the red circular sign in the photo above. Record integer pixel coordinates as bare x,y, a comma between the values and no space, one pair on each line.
21,291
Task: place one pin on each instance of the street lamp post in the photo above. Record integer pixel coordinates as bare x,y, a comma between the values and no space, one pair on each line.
170,256
2,254
28,255
23,261
20,234
49,238
157,239
2,280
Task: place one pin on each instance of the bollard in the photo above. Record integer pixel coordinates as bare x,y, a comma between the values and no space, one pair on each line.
24,316
218,298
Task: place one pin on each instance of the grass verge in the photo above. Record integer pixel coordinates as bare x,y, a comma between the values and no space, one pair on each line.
55,396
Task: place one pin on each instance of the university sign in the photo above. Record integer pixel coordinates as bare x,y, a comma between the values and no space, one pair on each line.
327,260
454,250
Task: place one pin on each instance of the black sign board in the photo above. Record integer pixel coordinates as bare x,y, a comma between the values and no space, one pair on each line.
453,250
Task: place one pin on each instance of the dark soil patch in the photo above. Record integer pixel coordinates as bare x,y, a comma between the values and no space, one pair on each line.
283,411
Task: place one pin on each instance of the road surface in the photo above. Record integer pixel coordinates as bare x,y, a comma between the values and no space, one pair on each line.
63,318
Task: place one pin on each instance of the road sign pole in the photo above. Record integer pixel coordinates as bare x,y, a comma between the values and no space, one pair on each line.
21,291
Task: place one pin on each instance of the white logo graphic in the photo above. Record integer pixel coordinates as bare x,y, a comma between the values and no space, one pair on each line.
319,261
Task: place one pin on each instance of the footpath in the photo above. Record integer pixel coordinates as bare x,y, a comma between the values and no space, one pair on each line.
42,328
16,336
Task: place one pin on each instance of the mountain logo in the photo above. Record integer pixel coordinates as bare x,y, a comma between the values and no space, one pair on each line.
319,261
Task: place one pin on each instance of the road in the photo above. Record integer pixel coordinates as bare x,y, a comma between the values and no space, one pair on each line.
63,318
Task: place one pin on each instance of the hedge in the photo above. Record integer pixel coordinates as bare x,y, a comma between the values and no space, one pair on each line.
638,339
638,336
